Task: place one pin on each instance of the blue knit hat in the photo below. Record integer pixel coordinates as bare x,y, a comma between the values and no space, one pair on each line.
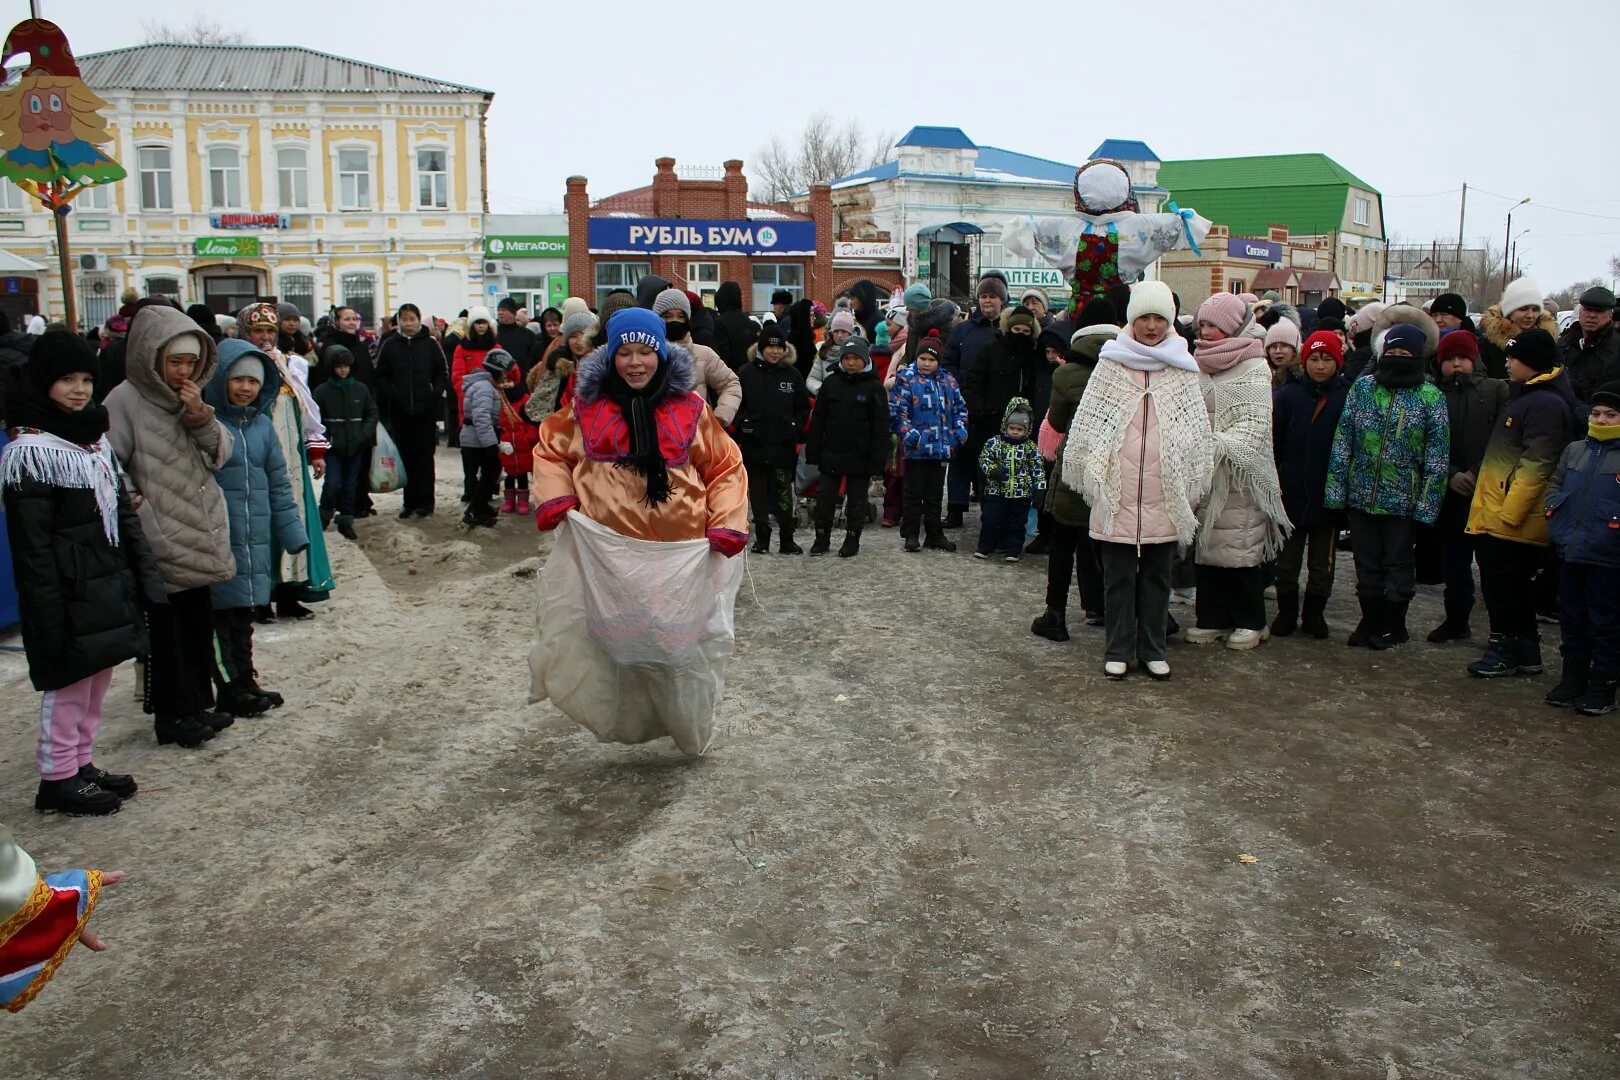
1408,337
917,297
637,326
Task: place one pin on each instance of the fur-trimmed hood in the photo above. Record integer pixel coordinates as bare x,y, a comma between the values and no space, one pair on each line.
1498,328
789,360
595,365
1412,315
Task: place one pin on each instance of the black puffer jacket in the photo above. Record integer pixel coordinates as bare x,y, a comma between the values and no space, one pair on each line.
868,315
521,342
1004,369
774,409
1593,363
411,375
734,332
361,368
849,431
80,596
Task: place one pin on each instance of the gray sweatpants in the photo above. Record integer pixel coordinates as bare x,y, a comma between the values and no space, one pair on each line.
1136,599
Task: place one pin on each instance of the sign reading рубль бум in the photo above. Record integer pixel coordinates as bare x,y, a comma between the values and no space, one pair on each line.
683,236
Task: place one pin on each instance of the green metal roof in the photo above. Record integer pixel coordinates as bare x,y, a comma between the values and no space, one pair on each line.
1306,192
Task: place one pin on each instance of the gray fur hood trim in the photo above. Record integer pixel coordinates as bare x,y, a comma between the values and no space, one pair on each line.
593,369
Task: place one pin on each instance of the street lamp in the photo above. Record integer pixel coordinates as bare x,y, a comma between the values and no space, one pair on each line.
1507,242
1515,256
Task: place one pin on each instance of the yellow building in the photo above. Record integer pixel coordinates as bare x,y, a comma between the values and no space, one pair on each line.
270,171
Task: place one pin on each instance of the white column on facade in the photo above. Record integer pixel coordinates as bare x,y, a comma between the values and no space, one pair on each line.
318,164
271,199
180,151
475,185
129,157
388,168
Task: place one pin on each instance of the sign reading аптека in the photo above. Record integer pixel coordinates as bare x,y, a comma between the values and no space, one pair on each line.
680,236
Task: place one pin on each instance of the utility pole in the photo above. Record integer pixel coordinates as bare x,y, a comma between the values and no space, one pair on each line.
1462,216
1507,242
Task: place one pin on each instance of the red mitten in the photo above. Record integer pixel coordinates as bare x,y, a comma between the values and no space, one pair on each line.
549,514
727,542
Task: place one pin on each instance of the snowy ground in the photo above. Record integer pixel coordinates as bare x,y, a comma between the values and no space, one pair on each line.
927,844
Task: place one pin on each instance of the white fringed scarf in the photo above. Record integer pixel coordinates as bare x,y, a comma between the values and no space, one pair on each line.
1240,414
55,462
1091,458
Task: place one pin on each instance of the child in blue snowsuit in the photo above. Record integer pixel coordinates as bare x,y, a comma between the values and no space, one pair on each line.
259,504
929,414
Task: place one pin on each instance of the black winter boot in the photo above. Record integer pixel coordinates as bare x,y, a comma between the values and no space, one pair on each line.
1497,660
1395,621
1572,687
292,609
1455,628
762,541
1599,697
345,526
823,542
1287,613
953,517
120,784
1313,621
238,700
1051,625
275,699
75,796
1371,611
1041,545
939,542
1382,626
217,721
1527,655
851,544
786,546
186,731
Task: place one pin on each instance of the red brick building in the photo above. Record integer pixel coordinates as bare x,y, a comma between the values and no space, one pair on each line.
699,231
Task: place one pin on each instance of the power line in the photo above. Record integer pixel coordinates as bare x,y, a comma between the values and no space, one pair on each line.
1555,209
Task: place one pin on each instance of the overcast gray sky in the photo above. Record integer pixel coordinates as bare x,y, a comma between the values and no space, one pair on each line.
1413,97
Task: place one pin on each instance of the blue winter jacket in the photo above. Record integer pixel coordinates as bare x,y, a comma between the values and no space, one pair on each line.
929,414
968,337
1304,417
258,492
1583,504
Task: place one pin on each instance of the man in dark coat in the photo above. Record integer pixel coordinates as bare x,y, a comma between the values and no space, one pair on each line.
961,353
734,331
521,342
648,288
1002,370
412,376
702,320
1590,348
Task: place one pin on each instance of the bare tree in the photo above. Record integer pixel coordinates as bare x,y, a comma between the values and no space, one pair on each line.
201,30
822,153
1614,266
1565,298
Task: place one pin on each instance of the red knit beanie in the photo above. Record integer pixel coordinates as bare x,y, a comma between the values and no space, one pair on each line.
1226,312
1323,341
1458,344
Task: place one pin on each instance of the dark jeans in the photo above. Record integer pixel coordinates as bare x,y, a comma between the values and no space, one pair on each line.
416,437
343,479
964,475
481,470
1589,615
1229,597
770,495
452,421
362,490
855,506
1073,551
1002,524
925,487
1137,611
233,630
179,678
894,492
1456,555
1321,540
1386,562
1507,575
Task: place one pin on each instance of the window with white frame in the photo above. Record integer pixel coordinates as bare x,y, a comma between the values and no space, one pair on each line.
157,180
432,180
618,275
12,199
299,291
292,177
768,277
354,179
1363,211
95,199
360,293
225,177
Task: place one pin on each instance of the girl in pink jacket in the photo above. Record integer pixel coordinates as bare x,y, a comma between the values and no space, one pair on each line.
1141,452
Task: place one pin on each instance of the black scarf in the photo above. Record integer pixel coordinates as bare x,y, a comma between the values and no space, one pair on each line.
1399,372
26,407
479,341
645,455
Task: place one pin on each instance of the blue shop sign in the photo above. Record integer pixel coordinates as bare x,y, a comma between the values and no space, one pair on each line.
1240,247
687,236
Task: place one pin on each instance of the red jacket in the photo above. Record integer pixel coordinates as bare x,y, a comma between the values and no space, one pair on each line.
467,360
521,433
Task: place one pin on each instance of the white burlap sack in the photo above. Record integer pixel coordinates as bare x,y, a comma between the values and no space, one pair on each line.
632,637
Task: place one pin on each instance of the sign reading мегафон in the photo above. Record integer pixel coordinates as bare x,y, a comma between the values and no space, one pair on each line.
685,236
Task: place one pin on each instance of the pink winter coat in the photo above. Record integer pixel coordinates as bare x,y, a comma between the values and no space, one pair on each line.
1143,517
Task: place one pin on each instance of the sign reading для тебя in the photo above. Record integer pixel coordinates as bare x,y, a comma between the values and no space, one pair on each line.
683,236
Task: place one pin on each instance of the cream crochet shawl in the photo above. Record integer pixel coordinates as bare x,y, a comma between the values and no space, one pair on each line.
1091,458
1240,416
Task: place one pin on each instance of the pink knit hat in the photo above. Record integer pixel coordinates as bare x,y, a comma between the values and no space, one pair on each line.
1225,311
842,320
1285,332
